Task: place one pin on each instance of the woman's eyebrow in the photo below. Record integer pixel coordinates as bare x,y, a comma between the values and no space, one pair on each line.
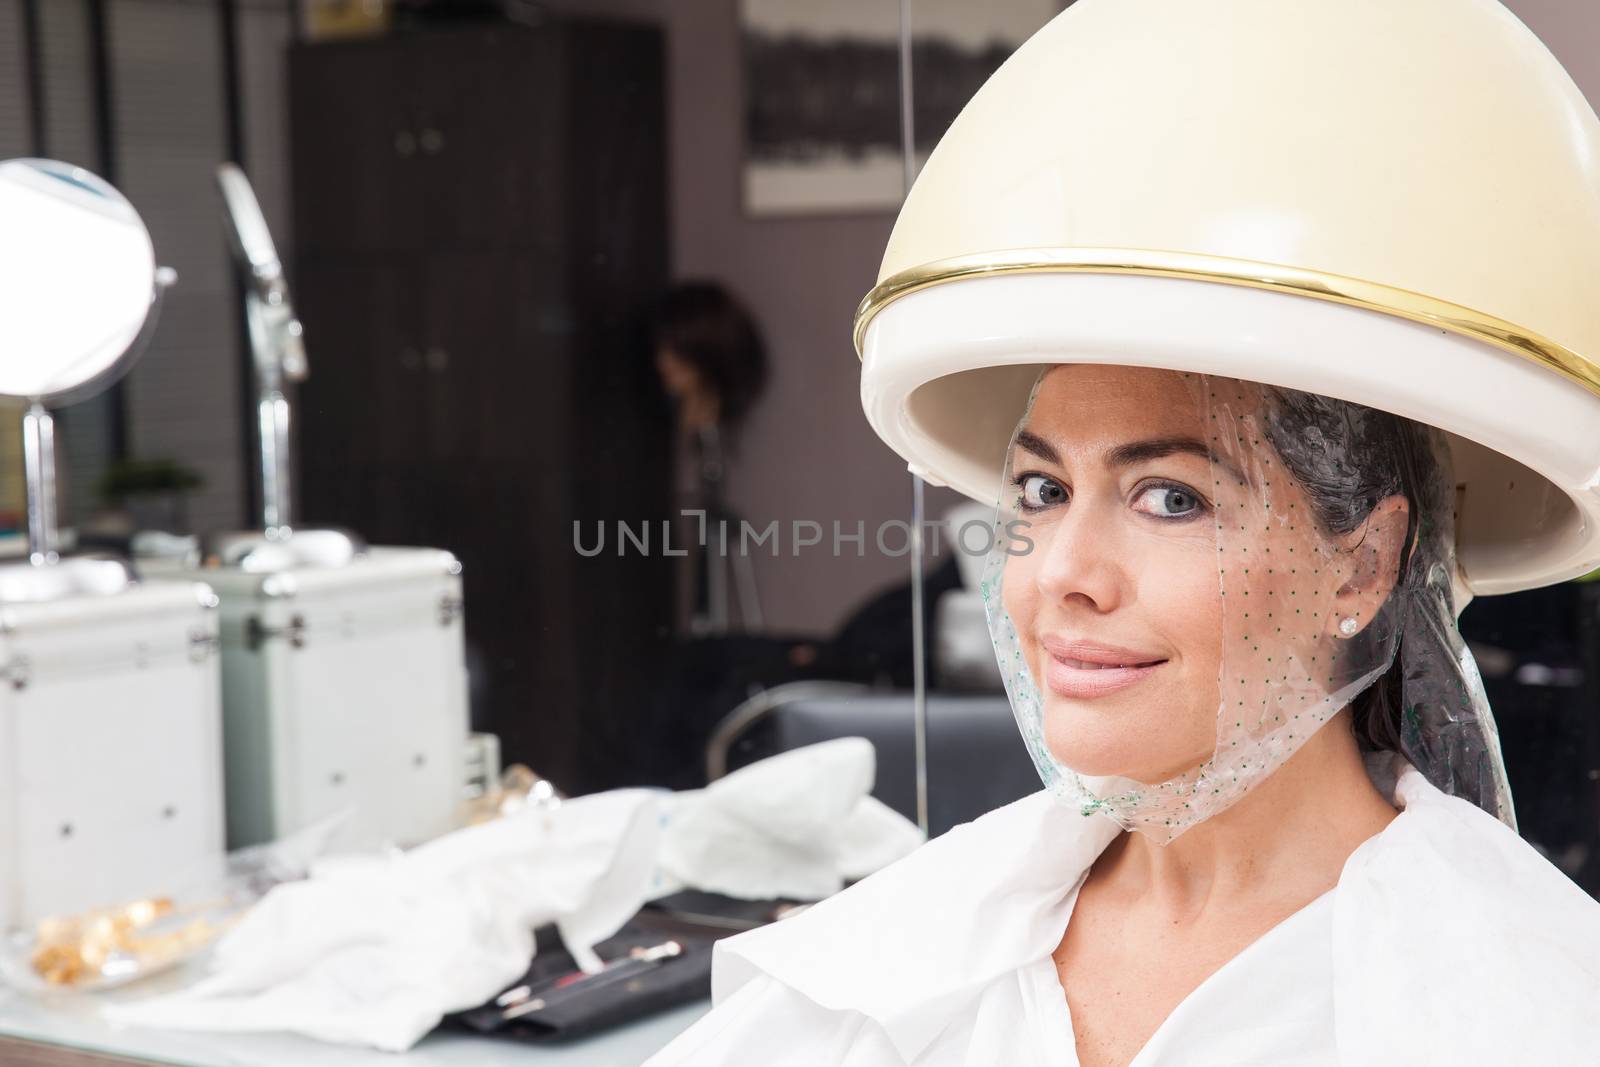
1135,451
1032,442
1157,448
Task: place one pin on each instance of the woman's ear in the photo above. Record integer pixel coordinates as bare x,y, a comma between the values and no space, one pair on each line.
1370,555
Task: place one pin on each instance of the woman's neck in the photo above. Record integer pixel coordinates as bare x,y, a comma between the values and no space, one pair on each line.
1288,837
699,409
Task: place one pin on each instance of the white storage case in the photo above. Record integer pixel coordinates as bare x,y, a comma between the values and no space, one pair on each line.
110,748
344,689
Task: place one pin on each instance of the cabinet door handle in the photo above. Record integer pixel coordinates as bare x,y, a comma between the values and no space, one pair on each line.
405,143
432,141
438,360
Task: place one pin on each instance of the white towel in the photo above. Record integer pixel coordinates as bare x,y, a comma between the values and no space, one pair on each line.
374,951
796,826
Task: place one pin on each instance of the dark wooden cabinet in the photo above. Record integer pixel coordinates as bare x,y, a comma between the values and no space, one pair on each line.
480,229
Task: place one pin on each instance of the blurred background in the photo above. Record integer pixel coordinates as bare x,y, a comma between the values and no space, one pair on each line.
565,265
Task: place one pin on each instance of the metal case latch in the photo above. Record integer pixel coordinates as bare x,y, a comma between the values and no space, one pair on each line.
257,633
451,608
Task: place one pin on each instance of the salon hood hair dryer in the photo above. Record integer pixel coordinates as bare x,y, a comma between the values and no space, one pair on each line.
1316,216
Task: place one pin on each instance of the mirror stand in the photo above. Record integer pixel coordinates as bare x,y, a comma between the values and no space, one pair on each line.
272,415
46,575
39,461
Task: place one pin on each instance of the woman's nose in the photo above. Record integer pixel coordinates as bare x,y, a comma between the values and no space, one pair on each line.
1082,558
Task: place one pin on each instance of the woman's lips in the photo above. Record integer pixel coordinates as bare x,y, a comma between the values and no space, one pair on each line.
1084,669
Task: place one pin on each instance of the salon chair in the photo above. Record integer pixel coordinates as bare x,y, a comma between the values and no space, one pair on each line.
976,759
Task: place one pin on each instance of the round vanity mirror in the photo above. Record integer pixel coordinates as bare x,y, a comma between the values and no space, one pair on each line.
78,280
79,287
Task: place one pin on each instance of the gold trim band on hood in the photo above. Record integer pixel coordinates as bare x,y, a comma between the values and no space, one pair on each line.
1220,269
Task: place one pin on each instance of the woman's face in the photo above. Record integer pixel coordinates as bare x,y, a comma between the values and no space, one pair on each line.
678,376
1119,605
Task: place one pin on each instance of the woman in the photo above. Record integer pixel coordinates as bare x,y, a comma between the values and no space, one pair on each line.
1338,907
1269,392
712,363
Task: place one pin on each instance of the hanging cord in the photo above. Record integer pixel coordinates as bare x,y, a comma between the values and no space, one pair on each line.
919,677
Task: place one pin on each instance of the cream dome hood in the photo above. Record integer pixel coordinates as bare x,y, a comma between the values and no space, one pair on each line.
1394,202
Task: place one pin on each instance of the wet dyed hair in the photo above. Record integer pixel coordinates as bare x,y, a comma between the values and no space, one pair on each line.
1347,458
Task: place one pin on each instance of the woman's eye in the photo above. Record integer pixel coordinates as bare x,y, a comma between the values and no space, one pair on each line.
1039,491
1168,501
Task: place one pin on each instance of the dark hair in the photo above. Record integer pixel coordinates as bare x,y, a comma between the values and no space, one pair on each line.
1347,458
703,324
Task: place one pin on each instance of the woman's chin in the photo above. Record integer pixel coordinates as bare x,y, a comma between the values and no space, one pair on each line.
1113,753
1090,756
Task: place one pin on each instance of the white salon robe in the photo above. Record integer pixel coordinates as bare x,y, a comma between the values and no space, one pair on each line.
1448,940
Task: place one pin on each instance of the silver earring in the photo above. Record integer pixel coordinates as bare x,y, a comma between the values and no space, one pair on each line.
1349,626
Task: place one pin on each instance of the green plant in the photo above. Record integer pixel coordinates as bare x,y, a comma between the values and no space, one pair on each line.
135,477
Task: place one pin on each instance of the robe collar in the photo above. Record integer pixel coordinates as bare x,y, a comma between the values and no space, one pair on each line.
915,943
912,943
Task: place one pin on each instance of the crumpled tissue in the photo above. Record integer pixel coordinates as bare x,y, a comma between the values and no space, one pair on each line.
795,826
376,950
